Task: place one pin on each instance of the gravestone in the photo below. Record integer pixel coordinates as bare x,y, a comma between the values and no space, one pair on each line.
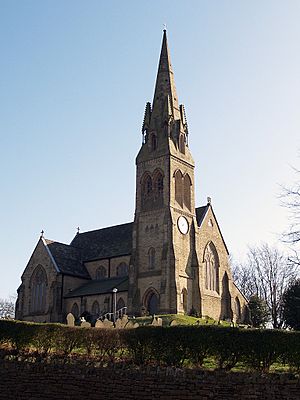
156,321
121,322
173,322
70,319
99,324
131,325
85,324
108,324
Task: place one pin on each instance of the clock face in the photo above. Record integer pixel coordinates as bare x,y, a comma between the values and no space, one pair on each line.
183,225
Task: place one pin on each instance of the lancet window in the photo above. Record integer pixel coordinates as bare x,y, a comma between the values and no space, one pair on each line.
211,263
38,290
179,187
151,258
75,310
95,309
182,144
153,141
122,269
187,183
100,272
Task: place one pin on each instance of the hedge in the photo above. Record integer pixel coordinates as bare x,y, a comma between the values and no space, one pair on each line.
176,346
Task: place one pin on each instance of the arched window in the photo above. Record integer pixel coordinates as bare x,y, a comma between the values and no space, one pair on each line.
38,290
178,187
187,183
182,143
122,269
226,310
95,309
237,309
146,185
152,303
151,258
153,141
158,183
75,310
146,191
211,268
184,300
120,304
100,272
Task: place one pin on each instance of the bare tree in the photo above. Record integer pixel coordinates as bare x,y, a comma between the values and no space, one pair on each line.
243,278
266,274
291,199
7,308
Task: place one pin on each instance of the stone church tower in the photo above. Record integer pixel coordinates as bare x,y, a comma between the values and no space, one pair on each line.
164,262
171,259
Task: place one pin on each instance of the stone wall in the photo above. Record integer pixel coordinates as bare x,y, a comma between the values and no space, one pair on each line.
41,381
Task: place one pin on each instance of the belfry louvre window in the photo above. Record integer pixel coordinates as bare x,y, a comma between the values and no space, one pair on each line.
146,185
38,290
159,184
179,187
187,183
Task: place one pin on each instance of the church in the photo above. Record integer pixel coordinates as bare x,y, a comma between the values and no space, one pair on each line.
171,259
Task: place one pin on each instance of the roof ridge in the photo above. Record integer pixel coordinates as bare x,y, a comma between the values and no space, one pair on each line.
50,241
102,229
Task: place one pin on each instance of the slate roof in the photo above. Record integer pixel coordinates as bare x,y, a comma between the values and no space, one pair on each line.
100,287
67,259
104,243
200,213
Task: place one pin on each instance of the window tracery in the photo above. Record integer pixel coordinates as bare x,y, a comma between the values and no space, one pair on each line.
38,290
152,187
101,272
211,268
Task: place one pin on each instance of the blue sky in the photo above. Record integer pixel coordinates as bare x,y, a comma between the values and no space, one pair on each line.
74,80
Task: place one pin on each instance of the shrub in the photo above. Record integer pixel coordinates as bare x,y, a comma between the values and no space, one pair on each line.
261,348
225,346
171,346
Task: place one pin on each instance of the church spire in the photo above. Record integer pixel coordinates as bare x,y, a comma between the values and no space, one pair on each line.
165,85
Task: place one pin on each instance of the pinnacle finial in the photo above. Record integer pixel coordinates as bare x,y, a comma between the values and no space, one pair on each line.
42,234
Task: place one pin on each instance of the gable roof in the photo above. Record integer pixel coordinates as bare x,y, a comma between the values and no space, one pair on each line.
108,242
66,258
100,287
200,215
